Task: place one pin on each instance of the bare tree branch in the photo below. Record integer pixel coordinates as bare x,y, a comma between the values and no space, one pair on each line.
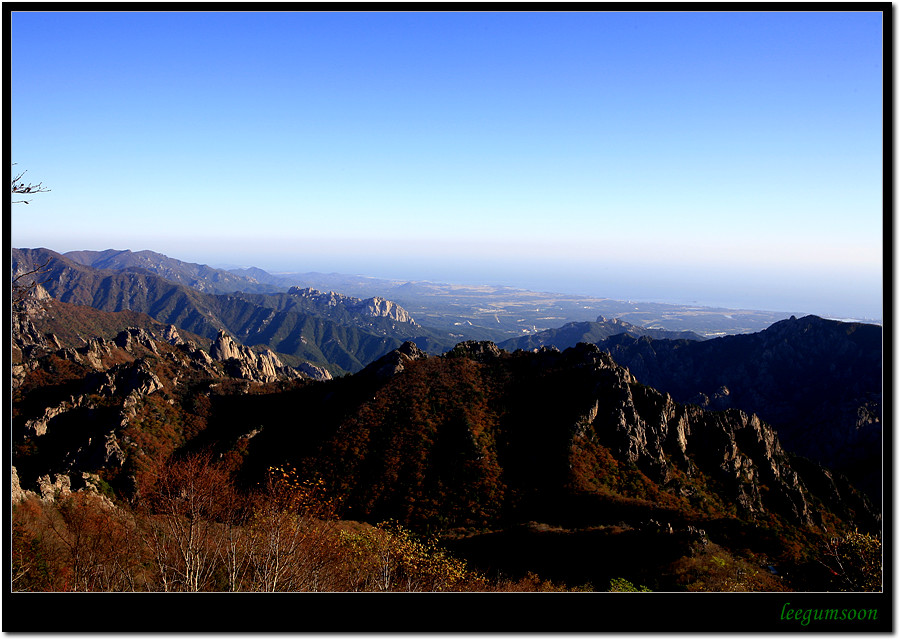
21,187
20,292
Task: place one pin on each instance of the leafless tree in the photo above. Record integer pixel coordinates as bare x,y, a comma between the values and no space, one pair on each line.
21,287
184,530
20,187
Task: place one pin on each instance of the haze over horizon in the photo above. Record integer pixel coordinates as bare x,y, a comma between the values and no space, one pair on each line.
717,158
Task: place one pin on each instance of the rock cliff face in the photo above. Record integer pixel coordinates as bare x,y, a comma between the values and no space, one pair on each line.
371,307
264,366
82,409
670,442
394,362
817,381
480,432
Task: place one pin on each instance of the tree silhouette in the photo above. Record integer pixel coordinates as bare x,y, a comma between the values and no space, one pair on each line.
19,186
20,291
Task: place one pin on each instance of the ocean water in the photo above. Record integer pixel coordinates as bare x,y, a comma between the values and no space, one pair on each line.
834,293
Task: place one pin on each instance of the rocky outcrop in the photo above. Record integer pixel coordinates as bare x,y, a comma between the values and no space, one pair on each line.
225,348
27,342
738,450
572,333
172,336
312,371
17,493
380,308
394,362
133,336
817,381
37,426
101,452
480,351
265,366
59,487
77,407
375,307
664,439
557,425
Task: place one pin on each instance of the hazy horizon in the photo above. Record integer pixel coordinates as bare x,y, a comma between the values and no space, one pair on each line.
602,282
714,158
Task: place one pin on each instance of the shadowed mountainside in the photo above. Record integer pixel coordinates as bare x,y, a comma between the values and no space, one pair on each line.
817,381
477,445
572,333
480,440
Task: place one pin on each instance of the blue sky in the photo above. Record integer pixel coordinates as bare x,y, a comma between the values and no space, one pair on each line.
685,156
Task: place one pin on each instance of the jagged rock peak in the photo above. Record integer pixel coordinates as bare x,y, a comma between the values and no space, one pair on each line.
480,351
17,494
588,353
410,350
224,347
375,307
243,362
394,362
312,371
127,338
381,308
172,336
308,292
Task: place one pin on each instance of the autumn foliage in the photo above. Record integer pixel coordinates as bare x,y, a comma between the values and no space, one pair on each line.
193,530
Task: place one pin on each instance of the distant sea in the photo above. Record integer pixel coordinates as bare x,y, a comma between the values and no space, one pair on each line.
836,294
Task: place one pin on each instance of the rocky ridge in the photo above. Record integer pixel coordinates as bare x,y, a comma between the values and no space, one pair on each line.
83,420
262,366
335,332
817,381
540,429
198,276
571,333
394,362
375,307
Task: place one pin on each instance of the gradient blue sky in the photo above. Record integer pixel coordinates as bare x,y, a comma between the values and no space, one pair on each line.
724,158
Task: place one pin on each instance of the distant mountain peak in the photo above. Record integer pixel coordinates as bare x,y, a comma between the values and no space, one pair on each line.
375,307
197,276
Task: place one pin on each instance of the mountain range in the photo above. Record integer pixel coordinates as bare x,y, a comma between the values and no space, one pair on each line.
338,332
572,333
489,312
818,381
198,276
585,452
494,451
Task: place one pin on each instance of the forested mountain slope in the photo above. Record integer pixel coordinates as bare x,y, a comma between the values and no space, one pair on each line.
519,461
340,333
198,276
480,439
